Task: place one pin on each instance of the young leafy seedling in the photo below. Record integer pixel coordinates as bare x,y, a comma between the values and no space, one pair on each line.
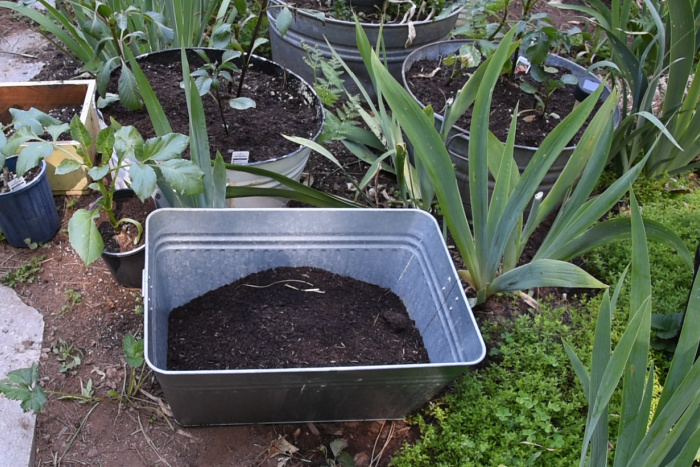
208,81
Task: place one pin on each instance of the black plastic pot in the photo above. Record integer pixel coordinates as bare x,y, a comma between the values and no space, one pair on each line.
127,268
28,212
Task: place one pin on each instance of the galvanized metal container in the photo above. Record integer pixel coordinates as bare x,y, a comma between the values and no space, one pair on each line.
309,30
192,251
458,145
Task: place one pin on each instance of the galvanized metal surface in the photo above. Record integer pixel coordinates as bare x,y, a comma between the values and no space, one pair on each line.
190,252
309,30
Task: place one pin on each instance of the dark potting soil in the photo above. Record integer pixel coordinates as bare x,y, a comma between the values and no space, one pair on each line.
438,88
293,318
280,109
367,12
6,176
125,239
65,114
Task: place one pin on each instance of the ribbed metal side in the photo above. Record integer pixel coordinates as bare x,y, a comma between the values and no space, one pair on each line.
189,252
307,29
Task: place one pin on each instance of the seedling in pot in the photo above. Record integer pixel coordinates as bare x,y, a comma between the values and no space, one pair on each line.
538,43
468,56
208,81
148,162
27,126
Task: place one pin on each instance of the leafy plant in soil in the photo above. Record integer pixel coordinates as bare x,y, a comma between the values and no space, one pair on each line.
23,384
399,12
148,161
208,82
491,250
29,126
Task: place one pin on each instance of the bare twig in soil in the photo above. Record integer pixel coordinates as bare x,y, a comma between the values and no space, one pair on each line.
150,443
75,435
374,460
18,54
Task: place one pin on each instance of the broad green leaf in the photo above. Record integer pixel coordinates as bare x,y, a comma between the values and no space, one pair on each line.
133,350
84,236
242,103
284,21
99,172
31,156
143,180
79,132
56,130
128,90
164,147
544,273
67,166
183,176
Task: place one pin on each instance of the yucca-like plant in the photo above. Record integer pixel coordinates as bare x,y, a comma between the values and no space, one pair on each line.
661,57
493,246
668,434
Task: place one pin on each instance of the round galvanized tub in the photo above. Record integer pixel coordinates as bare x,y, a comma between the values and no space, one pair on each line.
288,50
458,146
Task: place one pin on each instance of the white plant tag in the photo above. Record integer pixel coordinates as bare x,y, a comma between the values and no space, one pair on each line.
522,65
16,183
240,157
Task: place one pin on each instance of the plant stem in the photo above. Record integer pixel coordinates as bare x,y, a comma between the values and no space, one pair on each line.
246,57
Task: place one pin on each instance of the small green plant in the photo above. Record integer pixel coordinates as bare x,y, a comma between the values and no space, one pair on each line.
73,297
540,41
337,456
149,162
133,352
468,56
138,308
23,384
27,273
67,354
340,107
208,81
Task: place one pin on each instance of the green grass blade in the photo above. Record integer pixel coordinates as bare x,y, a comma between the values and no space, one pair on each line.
544,273
633,419
430,149
618,229
478,161
161,125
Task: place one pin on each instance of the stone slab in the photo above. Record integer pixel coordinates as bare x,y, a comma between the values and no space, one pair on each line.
21,332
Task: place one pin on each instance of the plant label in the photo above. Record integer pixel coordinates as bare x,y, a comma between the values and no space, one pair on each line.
16,183
240,157
522,65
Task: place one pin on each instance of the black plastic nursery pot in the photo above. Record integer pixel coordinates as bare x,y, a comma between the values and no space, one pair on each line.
127,267
308,30
28,214
192,251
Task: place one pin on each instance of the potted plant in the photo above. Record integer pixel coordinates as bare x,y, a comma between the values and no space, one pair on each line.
296,27
400,250
75,97
435,73
27,210
248,132
91,230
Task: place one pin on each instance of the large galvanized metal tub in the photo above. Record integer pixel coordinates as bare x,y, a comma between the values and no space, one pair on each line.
192,251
